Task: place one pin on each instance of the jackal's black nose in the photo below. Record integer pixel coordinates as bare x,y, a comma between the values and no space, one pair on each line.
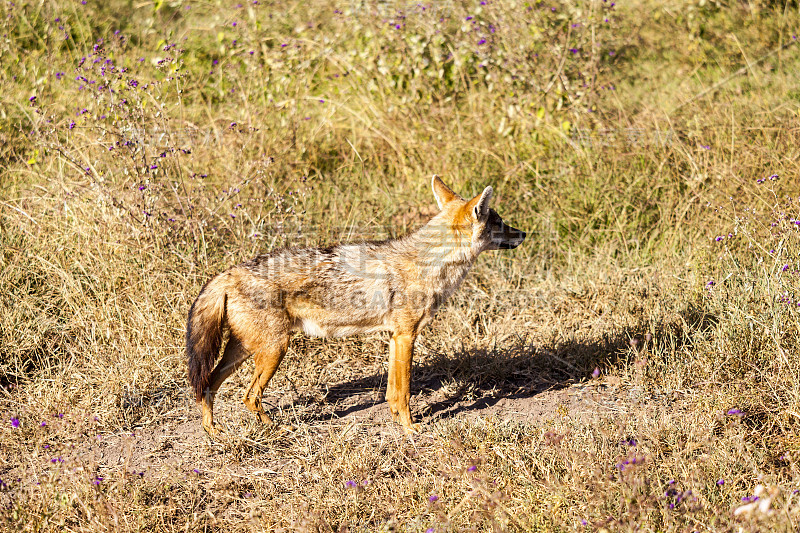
516,235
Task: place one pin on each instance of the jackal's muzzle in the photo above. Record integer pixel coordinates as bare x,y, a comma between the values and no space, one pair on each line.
511,238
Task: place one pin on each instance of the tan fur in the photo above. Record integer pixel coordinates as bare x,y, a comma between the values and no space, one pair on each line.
394,286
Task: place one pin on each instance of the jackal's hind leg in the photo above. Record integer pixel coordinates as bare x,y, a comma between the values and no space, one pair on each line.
232,359
267,358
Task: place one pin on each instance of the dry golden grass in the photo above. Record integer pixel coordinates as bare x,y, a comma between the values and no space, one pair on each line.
633,366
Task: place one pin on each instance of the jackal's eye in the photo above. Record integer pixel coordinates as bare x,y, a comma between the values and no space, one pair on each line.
494,219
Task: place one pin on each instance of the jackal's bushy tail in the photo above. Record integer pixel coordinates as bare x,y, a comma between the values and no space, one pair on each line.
204,333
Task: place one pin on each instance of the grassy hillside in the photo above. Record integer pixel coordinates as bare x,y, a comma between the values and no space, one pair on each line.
649,149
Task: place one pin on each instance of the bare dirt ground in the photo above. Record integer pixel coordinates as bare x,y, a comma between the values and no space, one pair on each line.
177,442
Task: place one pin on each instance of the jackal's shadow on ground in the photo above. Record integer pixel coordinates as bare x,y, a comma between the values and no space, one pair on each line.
472,379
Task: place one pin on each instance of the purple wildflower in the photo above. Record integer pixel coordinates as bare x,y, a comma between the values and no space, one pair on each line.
15,422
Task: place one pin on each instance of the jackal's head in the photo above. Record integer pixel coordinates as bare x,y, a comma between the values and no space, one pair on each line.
487,229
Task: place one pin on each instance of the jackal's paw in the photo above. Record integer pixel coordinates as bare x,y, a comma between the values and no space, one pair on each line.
213,430
265,419
412,429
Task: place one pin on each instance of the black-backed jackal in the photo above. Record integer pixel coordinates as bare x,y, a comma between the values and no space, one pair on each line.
394,285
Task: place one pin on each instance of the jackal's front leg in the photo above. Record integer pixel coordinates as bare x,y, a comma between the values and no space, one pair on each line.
398,389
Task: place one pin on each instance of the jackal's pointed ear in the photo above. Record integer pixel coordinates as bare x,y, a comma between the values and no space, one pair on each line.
441,192
479,206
